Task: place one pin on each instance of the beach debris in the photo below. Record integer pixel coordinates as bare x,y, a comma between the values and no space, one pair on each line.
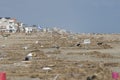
47,68
91,77
28,57
25,47
36,42
87,41
3,46
81,65
78,44
41,46
55,78
56,46
99,43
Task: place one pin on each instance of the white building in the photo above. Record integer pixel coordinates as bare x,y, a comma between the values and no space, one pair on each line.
8,25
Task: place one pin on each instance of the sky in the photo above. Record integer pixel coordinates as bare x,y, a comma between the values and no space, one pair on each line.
79,16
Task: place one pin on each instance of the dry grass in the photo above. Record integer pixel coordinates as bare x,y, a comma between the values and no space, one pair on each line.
65,69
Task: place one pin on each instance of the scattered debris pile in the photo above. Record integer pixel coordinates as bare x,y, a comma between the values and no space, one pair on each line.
47,67
51,68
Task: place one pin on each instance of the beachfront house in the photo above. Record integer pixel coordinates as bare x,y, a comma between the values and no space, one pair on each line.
8,24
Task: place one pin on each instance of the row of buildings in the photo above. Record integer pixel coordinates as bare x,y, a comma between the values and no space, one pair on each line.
8,24
11,25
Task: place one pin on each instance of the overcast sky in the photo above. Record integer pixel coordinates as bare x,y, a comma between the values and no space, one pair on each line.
98,16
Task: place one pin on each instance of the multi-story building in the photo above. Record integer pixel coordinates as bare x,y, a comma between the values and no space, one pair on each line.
8,24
